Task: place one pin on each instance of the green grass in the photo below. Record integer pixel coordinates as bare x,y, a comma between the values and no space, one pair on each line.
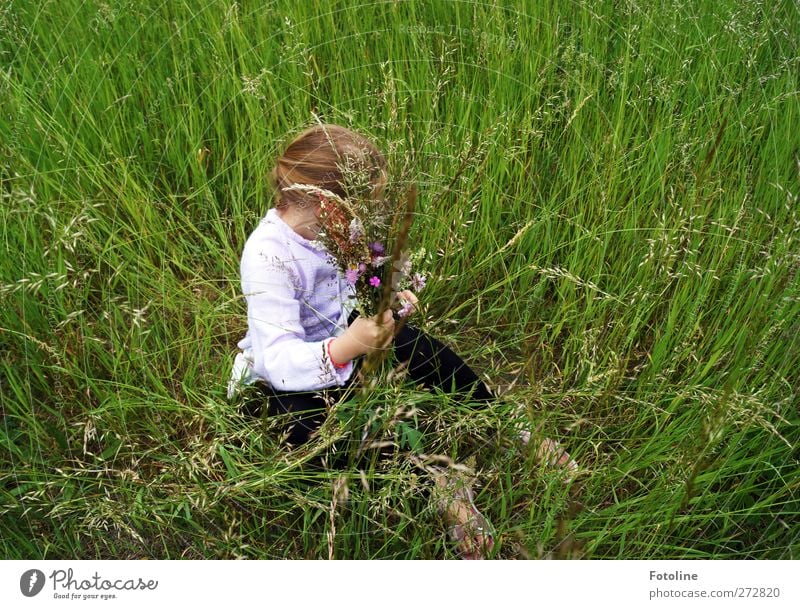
619,256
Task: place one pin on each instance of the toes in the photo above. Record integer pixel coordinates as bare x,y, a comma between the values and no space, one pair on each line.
472,542
477,548
566,460
551,452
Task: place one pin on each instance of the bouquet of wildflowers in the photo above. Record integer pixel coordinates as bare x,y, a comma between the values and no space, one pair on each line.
357,233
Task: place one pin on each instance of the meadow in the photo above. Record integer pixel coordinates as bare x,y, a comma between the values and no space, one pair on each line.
609,193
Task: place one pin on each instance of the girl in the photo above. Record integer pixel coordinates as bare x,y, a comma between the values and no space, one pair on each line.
304,342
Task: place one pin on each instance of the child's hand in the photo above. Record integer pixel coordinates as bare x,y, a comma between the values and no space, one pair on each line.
363,336
408,302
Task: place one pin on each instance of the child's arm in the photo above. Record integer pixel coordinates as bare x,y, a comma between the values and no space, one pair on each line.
363,336
281,354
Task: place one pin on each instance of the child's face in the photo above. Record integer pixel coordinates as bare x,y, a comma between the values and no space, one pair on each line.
313,226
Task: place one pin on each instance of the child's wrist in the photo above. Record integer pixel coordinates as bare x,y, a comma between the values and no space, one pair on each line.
336,363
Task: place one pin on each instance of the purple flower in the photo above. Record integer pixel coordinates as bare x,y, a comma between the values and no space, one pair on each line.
418,282
405,310
374,282
351,275
376,247
362,268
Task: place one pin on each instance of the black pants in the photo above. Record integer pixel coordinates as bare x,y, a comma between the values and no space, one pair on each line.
430,363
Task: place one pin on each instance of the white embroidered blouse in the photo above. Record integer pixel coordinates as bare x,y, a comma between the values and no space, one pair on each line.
297,302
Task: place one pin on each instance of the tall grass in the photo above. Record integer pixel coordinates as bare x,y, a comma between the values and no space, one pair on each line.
616,240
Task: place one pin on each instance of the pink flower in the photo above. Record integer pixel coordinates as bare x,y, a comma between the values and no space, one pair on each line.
418,282
405,310
374,282
351,275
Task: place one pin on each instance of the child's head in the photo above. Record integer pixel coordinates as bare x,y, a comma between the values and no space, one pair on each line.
330,157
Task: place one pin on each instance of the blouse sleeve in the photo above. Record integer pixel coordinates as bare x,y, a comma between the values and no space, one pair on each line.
281,354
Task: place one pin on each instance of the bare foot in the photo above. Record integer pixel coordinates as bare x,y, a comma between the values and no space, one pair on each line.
466,525
551,453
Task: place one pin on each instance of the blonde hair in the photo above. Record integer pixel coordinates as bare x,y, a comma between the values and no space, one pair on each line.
331,157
